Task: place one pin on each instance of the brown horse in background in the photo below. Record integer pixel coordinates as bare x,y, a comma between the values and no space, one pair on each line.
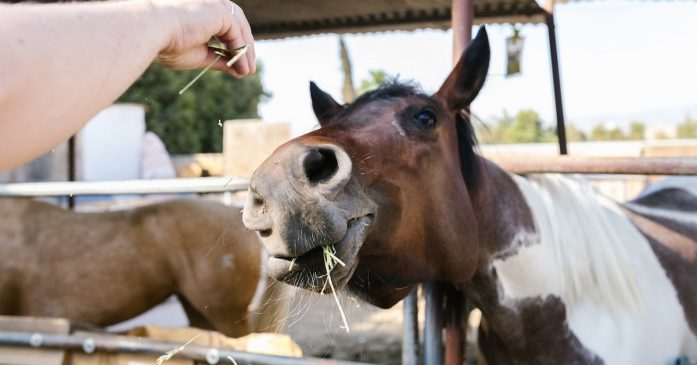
562,274
104,268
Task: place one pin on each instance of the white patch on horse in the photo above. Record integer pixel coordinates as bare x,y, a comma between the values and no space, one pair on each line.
398,127
619,301
227,261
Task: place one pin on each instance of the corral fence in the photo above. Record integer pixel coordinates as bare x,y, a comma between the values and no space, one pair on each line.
438,314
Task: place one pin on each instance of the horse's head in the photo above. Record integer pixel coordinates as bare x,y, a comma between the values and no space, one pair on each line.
385,181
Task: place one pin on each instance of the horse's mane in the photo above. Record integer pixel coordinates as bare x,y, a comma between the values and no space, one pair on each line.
467,139
388,89
597,250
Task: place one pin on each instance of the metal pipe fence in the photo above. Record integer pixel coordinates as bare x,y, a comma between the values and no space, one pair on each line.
122,344
432,336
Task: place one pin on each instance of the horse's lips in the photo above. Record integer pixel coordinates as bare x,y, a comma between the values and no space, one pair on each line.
305,269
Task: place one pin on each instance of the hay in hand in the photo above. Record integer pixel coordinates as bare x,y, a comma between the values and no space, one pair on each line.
160,360
220,51
330,261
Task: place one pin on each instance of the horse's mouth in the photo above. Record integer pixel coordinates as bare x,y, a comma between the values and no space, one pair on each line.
308,271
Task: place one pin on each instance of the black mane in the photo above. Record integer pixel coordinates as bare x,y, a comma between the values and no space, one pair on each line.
389,89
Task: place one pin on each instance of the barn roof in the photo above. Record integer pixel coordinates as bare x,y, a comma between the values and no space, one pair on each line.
274,19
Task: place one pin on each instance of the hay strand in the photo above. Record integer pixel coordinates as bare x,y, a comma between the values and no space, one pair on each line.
330,261
160,360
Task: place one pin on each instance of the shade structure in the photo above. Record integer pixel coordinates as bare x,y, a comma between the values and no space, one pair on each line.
275,19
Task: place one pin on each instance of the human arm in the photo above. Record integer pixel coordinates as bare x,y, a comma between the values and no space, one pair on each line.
63,63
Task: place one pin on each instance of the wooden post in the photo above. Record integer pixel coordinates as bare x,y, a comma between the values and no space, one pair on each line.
556,79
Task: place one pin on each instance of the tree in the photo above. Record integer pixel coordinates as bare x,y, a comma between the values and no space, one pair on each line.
687,129
601,132
525,127
574,134
604,132
637,131
348,91
374,79
188,123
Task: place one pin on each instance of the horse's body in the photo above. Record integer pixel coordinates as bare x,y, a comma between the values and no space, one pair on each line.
592,283
103,268
562,275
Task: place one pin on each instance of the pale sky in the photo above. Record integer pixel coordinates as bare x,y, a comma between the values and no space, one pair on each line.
620,60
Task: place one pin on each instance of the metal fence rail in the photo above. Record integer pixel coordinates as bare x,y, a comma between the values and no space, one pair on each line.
124,344
432,336
124,187
599,165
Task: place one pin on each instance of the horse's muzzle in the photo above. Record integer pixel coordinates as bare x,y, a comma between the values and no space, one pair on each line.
302,198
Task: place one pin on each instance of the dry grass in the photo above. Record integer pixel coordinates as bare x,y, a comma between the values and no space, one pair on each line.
220,52
160,360
330,261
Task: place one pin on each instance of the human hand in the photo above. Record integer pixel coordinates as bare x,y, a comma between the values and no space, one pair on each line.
193,24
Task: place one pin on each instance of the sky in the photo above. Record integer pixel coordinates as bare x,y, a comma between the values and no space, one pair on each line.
619,61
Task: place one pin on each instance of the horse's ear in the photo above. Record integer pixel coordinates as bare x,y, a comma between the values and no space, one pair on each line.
467,78
324,106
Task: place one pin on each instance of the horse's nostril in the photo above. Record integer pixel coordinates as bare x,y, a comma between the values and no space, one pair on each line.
265,233
320,165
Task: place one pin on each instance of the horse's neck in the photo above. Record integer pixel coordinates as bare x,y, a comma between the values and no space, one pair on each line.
581,268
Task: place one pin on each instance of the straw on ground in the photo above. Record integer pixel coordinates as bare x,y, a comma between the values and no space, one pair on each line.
160,360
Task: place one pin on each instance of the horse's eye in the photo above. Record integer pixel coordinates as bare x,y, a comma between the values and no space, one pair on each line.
425,118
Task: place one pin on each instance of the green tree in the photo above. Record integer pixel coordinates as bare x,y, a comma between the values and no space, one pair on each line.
574,134
637,131
188,123
348,91
687,129
374,79
525,127
600,132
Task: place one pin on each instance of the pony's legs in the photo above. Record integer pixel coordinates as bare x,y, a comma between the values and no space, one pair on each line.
196,319
231,320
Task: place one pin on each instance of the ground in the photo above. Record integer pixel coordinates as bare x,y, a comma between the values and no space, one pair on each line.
375,334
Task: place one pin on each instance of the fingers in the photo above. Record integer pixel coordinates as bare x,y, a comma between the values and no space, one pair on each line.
237,35
221,65
248,38
185,50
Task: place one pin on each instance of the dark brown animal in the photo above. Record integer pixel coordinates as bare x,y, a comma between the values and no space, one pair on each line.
394,183
104,268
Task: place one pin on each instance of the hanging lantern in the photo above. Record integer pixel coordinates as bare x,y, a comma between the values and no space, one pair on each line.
514,49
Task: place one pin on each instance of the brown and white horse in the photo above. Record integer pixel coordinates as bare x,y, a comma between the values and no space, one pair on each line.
562,274
104,268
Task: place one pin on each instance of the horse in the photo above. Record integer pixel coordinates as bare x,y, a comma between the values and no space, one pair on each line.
394,184
103,268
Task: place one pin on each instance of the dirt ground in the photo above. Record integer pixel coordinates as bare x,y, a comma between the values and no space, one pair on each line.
375,334
314,323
